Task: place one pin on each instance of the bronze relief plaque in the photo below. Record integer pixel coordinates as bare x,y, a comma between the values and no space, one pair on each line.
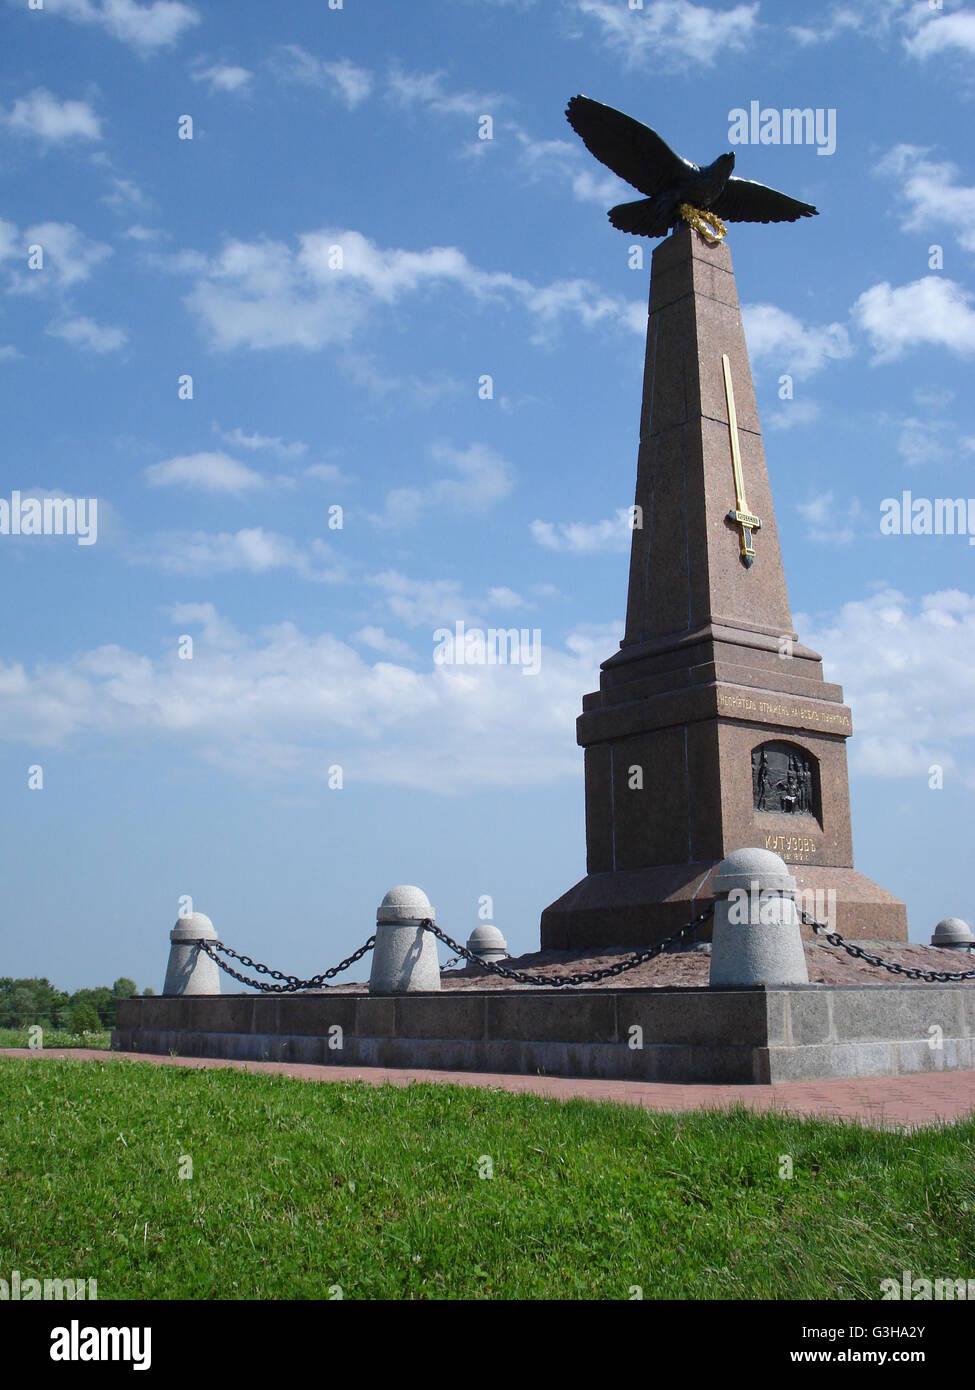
785,779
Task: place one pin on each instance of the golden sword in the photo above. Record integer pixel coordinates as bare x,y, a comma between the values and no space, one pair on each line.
739,514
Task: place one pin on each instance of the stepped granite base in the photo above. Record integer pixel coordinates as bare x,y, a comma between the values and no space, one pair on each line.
756,1036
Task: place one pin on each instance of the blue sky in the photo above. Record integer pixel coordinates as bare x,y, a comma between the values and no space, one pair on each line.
315,388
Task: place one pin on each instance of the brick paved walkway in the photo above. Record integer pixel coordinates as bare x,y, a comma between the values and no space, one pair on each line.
900,1101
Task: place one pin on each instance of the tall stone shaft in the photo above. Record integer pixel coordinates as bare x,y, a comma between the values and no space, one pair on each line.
713,728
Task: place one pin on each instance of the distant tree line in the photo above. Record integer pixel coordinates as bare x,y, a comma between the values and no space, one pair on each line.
24,1003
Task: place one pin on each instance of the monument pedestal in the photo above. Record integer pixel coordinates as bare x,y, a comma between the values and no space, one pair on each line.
754,1036
637,907
713,728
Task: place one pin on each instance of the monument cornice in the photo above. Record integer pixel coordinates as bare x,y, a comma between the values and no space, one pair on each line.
741,704
762,638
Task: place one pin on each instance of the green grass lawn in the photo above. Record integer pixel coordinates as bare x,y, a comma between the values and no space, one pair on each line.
55,1037
297,1187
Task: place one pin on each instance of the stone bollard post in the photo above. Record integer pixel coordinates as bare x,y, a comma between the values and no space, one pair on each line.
487,943
953,935
404,958
190,970
756,938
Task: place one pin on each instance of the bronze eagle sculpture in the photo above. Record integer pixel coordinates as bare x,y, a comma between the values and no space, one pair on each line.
674,189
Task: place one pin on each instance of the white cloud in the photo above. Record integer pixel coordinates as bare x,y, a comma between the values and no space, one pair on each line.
290,703
125,194
286,696
324,473
10,245
377,639
840,23
260,295
73,255
934,399
364,370
41,114
932,312
85,332
224,77
870,19
266,294
427,89
586,538
177,262
145,234
931,438
942,34
589,186
273,444
207,472
342,78
421,602
672,33
778,337
389,273
794,414
928,193
829,523
907,671
69,257
580,298
145,27
503,597
477,479
927,30
353,83
817,509
250,550
920,442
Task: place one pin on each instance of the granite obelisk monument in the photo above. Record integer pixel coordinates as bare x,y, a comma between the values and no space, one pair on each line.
713,728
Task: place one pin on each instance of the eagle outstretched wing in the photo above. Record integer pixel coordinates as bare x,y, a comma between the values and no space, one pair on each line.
743,200
632,150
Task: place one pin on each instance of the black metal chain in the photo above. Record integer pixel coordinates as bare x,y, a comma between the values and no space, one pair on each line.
292,983
584,977
942,977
